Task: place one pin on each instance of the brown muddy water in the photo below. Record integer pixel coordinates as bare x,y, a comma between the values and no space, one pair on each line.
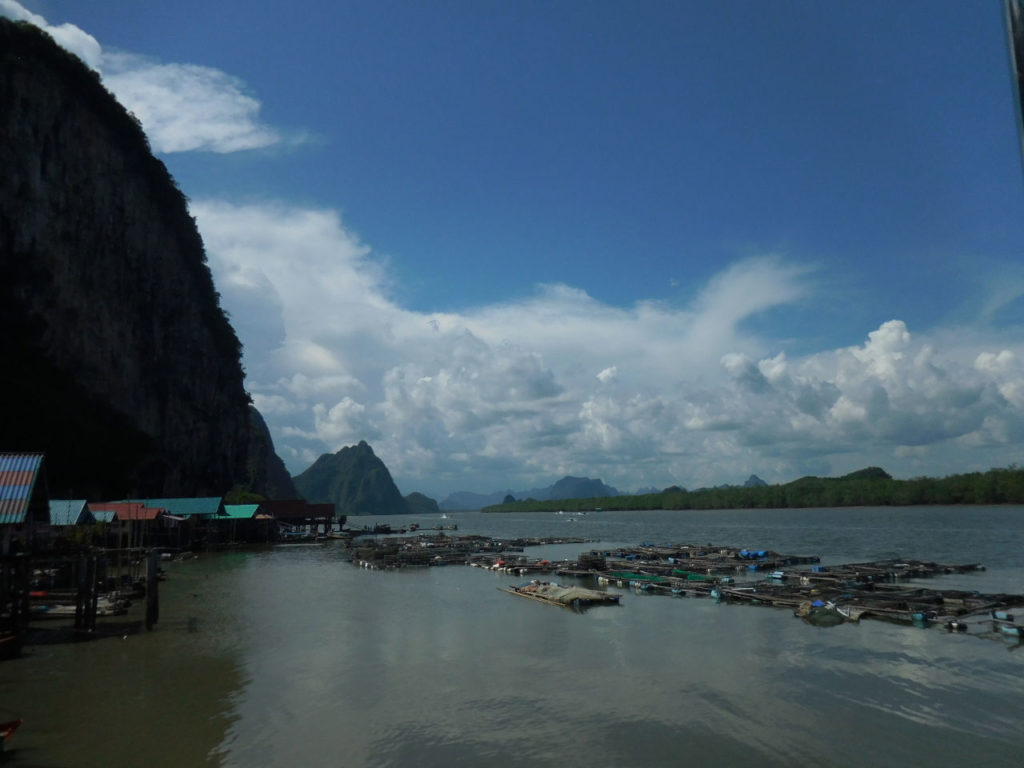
293,656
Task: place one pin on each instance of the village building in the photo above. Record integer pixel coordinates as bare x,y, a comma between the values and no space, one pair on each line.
24,502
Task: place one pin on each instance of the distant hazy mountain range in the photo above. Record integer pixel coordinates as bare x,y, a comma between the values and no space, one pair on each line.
566,488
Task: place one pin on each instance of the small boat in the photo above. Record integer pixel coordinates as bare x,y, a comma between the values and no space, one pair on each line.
7,730
923,618
1014,630
851,612
819,614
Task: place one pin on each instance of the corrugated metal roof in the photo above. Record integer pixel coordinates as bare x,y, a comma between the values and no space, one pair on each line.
128,510
241,511
69,512
18,473
207,505
103,515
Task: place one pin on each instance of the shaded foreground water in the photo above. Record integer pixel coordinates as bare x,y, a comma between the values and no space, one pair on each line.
292,656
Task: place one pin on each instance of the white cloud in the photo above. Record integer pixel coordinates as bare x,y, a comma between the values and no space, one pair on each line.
506,395
510,386
67,36
185,107
182,107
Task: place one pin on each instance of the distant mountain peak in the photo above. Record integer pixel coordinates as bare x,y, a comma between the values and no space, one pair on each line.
568,487
354,480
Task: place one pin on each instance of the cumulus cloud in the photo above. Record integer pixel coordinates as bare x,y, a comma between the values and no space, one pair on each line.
67,36
182,107
507,394
507,387
186,107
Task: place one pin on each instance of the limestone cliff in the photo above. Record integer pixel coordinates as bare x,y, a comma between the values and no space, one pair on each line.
117,359
355,480
266,473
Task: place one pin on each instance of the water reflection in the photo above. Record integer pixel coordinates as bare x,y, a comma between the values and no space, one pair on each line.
292,656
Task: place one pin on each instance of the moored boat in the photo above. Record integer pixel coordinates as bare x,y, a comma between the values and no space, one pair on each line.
1014,630
819,613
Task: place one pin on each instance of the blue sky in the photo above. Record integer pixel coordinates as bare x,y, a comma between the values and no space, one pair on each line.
658,242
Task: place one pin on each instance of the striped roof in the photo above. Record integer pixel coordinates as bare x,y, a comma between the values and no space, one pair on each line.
69,512
206,506
241,511
18,474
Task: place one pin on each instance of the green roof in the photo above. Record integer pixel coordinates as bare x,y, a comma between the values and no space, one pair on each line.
241,511
206,506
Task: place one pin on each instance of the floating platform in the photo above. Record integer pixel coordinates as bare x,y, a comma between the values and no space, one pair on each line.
563,596
819,594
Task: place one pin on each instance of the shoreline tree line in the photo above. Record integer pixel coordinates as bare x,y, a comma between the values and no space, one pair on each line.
869,487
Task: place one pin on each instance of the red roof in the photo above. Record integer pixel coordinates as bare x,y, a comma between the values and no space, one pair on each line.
128,510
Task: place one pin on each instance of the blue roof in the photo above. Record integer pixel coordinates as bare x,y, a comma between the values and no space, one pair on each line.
104,515
70,512
18,475
199,507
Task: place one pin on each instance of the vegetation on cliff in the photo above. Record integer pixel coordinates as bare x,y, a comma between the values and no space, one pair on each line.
419,504
355,480
867,487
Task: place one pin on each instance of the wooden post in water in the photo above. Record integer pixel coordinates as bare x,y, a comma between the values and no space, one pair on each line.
94,593
80,598
152,589
86,597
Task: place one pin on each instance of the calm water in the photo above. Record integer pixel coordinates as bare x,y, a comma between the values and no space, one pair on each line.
292,656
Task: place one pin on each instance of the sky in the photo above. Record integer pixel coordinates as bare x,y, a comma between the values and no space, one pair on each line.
654,243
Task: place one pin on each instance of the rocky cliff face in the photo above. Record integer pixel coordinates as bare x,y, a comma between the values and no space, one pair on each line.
355,480
266,472
117,359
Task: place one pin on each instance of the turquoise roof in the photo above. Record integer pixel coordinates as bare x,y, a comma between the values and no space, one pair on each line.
104,515
69,512
241,511
206,506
